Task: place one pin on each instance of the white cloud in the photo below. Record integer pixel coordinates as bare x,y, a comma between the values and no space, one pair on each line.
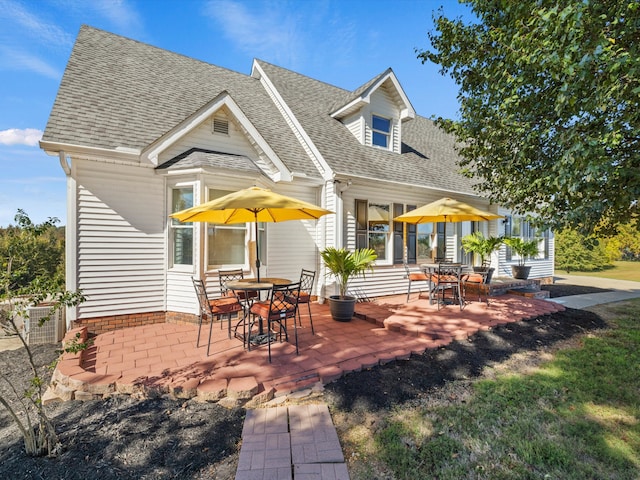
19,60
16,136
271,32
119,12
47,33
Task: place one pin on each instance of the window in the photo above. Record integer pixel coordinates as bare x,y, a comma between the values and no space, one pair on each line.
519,227
426,240
381,134
181,233
226,244
379,229
373,228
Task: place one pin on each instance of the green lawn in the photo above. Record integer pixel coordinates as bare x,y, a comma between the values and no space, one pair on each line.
620,271
577,416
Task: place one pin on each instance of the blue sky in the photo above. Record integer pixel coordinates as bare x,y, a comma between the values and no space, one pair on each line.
341,42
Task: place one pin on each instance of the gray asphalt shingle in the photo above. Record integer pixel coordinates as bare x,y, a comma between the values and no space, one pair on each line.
118,92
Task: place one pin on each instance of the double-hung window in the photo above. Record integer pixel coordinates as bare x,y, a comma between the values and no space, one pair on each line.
380,131
373,224
226,243
181,233
519,227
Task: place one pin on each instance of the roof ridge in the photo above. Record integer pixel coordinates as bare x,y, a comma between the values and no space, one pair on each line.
85,26
302,75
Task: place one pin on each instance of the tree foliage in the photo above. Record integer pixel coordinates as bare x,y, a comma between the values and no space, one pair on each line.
577,253
550,106
31,259
625,245
35,250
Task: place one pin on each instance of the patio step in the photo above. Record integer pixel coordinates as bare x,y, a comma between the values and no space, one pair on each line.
530,292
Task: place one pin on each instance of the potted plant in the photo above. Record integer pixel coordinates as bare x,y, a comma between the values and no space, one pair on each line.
524,249
482,246
345,265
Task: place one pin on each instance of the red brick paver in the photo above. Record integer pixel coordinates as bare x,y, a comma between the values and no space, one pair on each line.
163,357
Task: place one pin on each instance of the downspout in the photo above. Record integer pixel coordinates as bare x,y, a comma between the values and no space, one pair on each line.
71,280
64,164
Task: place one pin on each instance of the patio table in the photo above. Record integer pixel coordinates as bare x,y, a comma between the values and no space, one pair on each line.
442,276
252,285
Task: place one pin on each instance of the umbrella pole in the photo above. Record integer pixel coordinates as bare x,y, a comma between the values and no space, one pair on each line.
257,249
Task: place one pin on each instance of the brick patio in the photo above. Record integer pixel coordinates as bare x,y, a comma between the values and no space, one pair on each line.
163,358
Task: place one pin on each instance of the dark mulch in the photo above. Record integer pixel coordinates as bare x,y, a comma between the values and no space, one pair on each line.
124,438
560,290
402,381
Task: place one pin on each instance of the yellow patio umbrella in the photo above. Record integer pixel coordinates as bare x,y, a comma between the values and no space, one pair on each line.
446,210
253,204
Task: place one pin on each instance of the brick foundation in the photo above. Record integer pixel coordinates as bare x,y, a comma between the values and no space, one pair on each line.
98,325
181,318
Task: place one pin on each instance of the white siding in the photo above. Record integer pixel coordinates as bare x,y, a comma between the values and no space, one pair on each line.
120,239
181,296
203,137
355,124
295,244
382,104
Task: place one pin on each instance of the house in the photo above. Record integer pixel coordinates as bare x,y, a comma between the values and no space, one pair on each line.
141,132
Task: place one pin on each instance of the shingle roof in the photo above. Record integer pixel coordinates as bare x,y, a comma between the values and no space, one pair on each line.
118,92
199,157
429,158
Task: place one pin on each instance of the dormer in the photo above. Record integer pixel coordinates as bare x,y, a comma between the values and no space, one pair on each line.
374,114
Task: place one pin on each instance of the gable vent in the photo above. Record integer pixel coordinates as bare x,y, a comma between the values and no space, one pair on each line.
220,125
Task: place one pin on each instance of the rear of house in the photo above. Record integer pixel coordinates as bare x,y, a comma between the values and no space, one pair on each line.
142,132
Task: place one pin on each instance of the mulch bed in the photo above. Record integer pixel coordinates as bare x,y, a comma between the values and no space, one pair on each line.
560,290
125,438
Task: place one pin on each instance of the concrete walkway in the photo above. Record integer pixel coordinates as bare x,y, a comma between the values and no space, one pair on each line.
620,290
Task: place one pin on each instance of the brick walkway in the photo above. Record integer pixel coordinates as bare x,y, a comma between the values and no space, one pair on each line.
283,443
163,358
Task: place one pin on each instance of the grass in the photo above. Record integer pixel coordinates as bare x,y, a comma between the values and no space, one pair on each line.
576,416
619,271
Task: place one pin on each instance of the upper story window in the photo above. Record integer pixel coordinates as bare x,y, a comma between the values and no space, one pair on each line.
381,131
181,233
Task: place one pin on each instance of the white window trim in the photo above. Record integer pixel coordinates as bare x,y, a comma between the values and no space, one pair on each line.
173,267
382,132
389,234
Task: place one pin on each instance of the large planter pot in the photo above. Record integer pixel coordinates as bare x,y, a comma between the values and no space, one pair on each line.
520,272
488,271
342,308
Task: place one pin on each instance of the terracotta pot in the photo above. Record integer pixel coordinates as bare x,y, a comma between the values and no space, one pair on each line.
342,308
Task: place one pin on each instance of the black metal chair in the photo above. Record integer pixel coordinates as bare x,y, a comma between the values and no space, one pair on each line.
446,278
224,276
214,309
415,277
307,278
273,313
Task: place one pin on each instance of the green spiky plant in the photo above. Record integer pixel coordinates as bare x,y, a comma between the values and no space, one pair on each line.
346,265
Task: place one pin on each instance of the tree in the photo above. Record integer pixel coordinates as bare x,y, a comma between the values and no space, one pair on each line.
37,251
549,106
625,245
575,253
30,275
